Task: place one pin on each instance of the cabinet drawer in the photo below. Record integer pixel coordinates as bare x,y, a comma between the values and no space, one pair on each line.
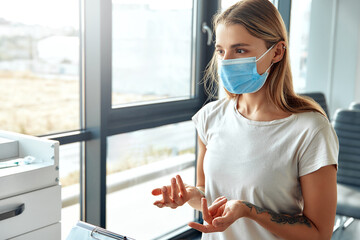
40,173
27,178
52,232
26,212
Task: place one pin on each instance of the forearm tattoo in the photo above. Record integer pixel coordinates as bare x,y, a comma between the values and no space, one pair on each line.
280,218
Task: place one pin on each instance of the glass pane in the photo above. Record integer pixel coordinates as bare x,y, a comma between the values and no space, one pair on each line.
69,165
299,41
140,161
151,50
39,66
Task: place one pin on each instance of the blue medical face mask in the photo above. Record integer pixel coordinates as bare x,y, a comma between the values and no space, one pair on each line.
240,75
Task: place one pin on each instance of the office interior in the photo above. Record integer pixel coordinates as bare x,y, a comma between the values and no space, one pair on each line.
106,90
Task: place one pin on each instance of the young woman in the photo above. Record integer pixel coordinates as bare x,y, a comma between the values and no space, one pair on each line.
267,158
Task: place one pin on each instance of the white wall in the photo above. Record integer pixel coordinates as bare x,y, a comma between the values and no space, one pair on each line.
334,51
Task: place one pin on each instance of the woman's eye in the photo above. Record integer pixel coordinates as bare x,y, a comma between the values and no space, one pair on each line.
220,52
240,51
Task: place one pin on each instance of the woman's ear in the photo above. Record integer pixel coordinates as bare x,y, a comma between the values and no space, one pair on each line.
279,51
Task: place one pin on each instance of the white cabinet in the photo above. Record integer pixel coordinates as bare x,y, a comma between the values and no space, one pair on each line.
39,208
51,232
30,194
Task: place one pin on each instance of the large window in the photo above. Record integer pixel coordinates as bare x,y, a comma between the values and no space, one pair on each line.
141,90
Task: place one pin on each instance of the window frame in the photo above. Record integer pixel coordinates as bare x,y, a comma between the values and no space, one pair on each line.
106,121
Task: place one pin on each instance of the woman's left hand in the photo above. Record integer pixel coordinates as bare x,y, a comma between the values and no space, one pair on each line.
219,216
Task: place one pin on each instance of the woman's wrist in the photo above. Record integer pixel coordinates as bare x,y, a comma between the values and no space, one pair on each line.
245,211
200,190
194,192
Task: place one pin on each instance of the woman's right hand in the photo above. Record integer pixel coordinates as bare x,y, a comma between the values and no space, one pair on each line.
174,195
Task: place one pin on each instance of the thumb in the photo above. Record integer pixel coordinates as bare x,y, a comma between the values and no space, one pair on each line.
219,221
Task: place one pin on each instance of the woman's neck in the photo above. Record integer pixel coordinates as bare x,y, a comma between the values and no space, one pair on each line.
256,106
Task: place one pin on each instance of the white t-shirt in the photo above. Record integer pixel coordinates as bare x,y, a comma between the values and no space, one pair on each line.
261,161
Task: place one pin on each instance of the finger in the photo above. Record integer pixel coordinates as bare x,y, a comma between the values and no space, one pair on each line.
219,199
159,204
166,197
206,215
175,191
221,221
216,205
219,211
182,187
200,227
156,191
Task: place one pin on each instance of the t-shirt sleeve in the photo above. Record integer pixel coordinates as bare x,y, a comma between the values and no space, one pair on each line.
322,150
199,120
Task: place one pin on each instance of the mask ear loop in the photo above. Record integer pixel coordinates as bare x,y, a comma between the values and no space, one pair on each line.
265,53
284,47
269,67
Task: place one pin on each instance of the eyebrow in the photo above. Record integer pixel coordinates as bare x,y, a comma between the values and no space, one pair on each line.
235,45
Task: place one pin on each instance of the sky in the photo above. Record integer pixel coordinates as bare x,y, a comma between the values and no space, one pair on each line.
52,13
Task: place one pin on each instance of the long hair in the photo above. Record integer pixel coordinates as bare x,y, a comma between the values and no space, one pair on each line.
263,21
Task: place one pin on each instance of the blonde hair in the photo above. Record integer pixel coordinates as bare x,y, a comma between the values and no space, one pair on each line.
263,21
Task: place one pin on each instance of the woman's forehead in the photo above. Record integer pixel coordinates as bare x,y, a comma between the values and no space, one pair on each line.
230,34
